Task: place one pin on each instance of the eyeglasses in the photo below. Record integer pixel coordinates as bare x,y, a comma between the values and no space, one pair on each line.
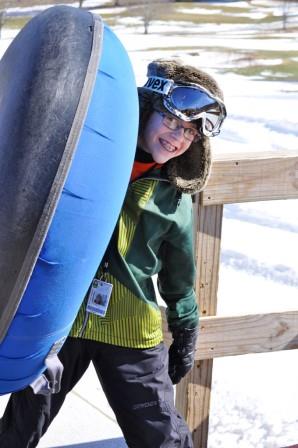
189,102
190,134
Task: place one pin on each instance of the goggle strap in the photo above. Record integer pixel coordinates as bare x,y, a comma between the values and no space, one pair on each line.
159,85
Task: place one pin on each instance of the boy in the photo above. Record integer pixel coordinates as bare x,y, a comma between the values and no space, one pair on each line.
180,108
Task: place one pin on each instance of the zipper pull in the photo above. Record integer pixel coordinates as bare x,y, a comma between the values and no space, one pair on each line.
178,197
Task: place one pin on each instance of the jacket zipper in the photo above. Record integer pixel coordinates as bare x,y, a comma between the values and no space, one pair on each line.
83,328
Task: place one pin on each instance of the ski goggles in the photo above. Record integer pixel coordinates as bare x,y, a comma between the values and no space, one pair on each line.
189,102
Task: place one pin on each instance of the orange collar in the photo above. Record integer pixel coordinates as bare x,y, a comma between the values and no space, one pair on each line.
140,168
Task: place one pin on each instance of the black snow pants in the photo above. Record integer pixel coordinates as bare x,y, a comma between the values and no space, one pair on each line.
135,382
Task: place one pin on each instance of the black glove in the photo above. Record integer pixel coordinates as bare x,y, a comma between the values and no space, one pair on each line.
182,352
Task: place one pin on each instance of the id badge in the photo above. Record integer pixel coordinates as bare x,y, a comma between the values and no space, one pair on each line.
99,297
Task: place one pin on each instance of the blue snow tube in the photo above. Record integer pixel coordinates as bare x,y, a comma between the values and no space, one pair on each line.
68,131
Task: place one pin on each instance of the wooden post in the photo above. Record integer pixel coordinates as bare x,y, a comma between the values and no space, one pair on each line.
193,393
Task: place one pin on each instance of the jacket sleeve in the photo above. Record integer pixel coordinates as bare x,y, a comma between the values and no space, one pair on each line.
177,275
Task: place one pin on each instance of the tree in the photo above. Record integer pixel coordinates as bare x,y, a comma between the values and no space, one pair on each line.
147,16
285,13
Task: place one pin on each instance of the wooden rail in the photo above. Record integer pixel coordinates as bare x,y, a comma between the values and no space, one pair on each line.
252,177
239,335
235,178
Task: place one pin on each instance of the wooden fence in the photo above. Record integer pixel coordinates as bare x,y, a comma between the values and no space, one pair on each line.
235,178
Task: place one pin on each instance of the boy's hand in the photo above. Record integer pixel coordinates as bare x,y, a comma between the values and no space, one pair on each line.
182,352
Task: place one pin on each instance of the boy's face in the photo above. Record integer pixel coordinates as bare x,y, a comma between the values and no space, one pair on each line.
163,143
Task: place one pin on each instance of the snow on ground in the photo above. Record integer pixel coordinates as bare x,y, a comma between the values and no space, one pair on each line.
254,397
254,401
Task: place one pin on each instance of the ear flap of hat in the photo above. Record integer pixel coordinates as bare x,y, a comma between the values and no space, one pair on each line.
190,171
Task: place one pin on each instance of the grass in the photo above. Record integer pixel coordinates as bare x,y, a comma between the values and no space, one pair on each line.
287,70
174,12
16,23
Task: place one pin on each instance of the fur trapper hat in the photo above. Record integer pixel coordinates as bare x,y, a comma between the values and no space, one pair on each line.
190,171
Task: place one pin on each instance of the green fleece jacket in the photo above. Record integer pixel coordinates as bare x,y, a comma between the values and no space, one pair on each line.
153,237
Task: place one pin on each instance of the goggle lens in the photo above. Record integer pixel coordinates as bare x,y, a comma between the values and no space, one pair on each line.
212,119
189,99
192,103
